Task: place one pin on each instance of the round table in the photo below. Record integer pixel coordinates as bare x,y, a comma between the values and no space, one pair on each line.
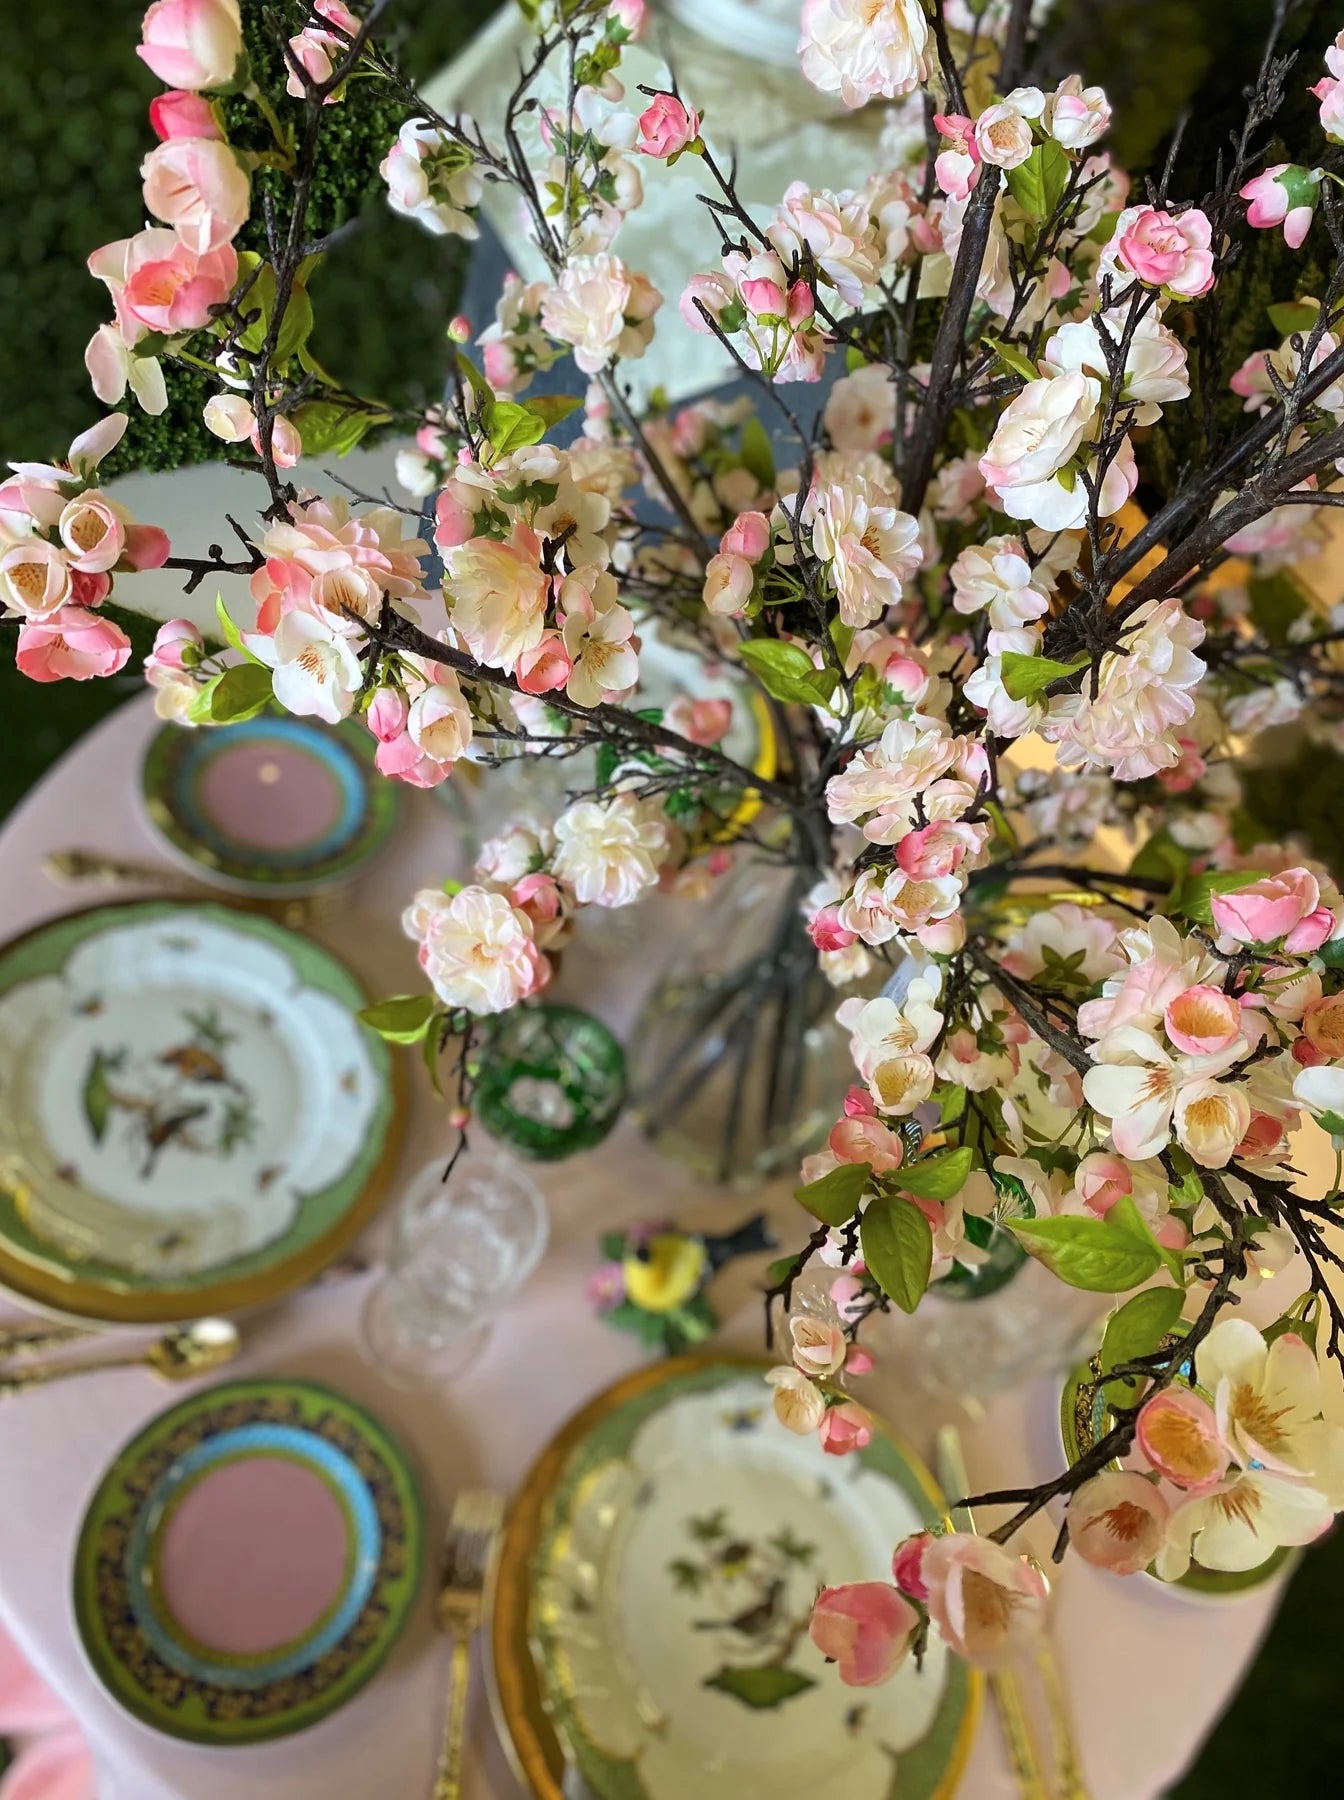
547,1356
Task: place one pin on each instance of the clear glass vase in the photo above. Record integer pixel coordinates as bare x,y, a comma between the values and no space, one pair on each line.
738,1067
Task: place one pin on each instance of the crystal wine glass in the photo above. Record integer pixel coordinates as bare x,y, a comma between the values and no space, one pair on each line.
460,1249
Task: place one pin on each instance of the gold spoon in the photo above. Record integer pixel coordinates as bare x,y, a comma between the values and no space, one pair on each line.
179,1355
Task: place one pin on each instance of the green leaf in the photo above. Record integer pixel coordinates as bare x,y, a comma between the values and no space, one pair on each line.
788,672
1161,858
230,632
1189,1191
1139,1327
552,408
402,1020
779,1270
296,325
97,1097
1277,602
241,692
1038,184
1288,316
1012,360
936,1177
1026,676
1103,1256
510,426
1331,1122
1332,954
761,1689
758,454
199,711
898,1249
834,1197
329,429
1192,902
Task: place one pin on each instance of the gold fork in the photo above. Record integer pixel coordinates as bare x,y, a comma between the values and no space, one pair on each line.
467,1549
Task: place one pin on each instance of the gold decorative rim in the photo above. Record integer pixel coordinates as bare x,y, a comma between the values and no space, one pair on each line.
77,1298
526,1732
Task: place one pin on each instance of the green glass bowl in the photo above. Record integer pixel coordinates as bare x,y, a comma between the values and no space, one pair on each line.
550,1082
966,1281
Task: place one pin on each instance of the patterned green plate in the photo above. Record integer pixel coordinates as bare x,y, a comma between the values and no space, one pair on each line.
248,1562
1083,1418
651,1608
275,805
192,1120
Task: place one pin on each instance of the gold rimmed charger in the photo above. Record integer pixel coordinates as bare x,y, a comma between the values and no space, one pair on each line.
163,1073
610,1486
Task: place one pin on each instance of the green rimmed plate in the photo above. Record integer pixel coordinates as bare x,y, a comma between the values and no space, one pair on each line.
655,1581
272,805
1083,1418
248,1562
192,1119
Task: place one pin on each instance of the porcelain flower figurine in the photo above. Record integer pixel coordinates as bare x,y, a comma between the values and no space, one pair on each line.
1014,592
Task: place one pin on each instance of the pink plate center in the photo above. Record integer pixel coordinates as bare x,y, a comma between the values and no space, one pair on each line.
253,1555
269,794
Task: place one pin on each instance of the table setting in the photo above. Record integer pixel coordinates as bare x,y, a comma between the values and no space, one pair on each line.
483,1433
671,1114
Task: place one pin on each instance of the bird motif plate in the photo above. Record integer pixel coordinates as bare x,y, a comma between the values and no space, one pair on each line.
278,805
651,1609
191,1117
247,1562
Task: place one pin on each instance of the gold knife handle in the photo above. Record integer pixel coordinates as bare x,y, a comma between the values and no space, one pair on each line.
1017,1735
448,1778
1068,1775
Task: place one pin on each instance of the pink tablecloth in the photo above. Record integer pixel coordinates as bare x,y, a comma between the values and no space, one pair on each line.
547,1357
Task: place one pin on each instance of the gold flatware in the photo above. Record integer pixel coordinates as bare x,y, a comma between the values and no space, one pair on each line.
17,1341
179,1355
468,1547
1003,1683
95,867
1068,1773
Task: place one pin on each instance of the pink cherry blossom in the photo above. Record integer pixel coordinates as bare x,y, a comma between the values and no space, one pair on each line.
1117,1521
1267,910
192,43
71,645
35,578
1285,194
907,1566
1203,1020
747,536
546,666
630,15
703,722
197,186
845,1427
986,1602
729,581
181,114
863,49
1178,1433
867,1140
1167,251
864,1628
957,167
667,127
146,546
158,283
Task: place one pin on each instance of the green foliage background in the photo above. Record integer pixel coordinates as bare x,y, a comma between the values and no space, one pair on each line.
73,99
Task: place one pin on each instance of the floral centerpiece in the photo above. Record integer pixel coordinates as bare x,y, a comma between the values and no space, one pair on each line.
1014,589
